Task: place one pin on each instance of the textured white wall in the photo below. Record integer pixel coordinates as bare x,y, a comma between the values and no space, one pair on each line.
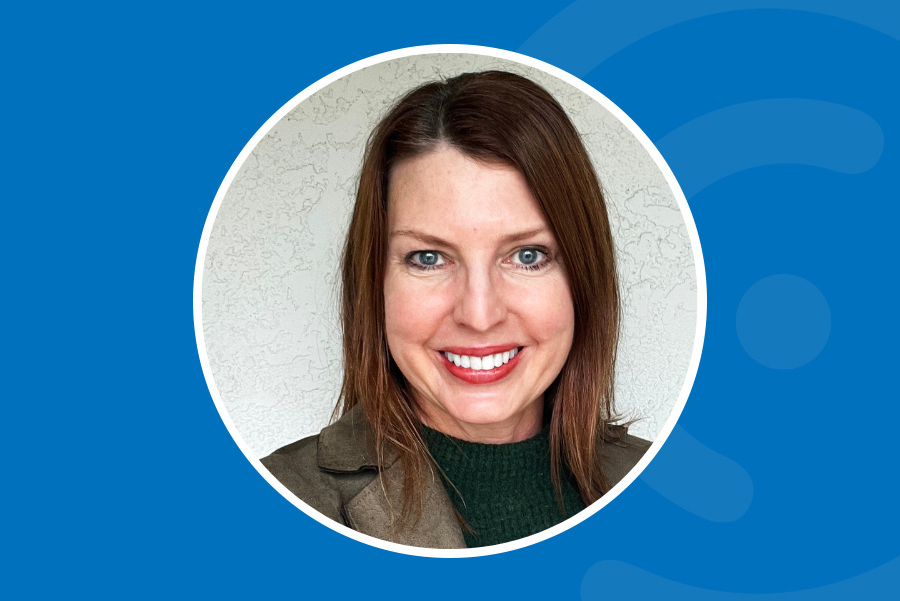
270,286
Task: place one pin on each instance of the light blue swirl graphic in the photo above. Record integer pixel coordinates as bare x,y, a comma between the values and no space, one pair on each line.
699,480
619,580
776,131
783,321
581,36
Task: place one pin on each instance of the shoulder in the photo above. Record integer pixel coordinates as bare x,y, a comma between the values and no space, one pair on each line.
325,471
620,452
295,466
296,460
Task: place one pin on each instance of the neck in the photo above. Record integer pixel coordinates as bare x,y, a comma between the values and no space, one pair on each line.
517,428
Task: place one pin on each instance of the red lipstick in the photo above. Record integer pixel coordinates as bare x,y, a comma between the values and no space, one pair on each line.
480,376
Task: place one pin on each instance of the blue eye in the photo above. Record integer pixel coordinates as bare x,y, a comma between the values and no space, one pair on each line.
428,258
425,259
529,256
532,259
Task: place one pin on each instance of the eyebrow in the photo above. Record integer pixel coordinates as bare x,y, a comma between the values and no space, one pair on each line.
437,241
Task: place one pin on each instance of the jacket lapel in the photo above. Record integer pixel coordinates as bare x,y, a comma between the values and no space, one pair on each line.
348,446
374,513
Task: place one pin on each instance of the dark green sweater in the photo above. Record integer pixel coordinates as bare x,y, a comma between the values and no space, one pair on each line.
503,491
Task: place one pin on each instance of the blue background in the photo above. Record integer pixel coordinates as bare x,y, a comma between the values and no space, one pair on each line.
780,122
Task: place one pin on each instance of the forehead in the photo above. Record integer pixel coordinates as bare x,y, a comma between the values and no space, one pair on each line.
447,192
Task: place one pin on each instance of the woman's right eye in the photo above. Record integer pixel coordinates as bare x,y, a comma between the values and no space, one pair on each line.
425,259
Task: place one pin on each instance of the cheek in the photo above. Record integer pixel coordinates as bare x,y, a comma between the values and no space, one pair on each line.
413,311
548,312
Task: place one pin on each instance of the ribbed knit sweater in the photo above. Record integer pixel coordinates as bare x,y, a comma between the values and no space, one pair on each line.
504,492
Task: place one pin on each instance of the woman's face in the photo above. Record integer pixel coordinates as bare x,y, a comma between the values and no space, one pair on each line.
479,315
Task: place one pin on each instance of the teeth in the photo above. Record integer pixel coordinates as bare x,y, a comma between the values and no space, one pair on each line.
481,363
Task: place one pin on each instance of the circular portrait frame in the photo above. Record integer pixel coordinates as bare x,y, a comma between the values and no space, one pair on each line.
255,449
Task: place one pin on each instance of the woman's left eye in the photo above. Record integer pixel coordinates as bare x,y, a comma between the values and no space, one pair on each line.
530,258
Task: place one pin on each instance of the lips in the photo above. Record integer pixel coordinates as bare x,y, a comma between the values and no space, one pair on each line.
476,374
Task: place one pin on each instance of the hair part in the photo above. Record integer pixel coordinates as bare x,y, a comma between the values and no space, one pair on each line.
495,117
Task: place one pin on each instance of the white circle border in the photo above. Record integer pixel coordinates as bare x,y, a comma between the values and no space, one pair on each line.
698,265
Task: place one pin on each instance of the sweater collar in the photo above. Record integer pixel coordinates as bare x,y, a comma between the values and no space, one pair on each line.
445,446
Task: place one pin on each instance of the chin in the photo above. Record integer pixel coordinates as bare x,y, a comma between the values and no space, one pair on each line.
480,411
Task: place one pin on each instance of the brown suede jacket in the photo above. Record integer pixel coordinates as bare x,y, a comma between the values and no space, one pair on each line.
336,472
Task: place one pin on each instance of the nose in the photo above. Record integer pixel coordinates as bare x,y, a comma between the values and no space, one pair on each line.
481,303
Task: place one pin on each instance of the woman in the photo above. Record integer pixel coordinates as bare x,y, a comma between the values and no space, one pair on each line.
480,315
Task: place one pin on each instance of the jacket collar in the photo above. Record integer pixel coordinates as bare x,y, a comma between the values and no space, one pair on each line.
348,446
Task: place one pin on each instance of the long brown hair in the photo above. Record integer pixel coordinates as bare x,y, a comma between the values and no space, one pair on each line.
495,117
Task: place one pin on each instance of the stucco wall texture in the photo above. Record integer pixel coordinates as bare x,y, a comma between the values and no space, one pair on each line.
270,285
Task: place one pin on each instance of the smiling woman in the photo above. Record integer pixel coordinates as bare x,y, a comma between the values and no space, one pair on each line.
480,315
481,291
